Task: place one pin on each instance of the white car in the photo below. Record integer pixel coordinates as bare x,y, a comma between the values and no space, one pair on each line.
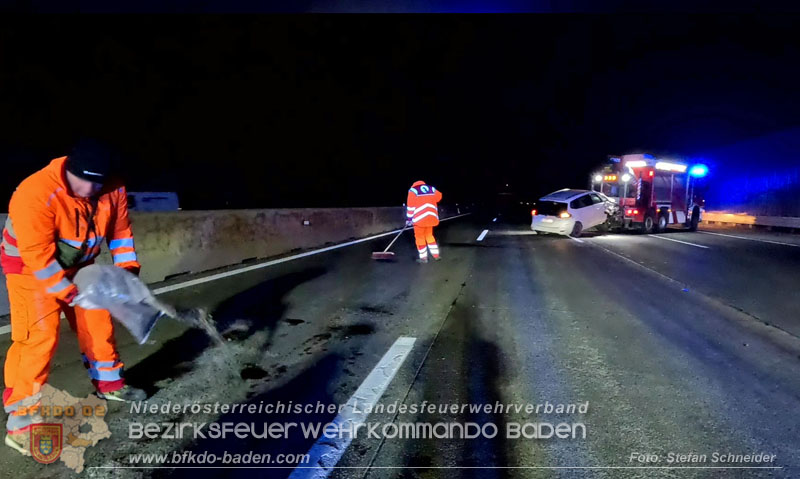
569,212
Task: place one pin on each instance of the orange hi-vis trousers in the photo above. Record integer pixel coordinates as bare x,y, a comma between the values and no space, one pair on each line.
34,334
423,236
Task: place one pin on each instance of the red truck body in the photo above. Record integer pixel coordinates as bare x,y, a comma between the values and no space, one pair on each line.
651,193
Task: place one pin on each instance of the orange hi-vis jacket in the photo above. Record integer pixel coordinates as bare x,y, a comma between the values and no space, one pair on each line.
421,205
42,213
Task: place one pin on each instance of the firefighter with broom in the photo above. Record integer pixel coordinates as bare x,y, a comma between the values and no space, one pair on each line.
422,212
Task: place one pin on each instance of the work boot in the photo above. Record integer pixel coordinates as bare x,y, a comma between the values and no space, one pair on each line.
437,258
124,394
422,260
19,442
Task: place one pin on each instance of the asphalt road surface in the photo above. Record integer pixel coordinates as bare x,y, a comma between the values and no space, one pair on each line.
677,344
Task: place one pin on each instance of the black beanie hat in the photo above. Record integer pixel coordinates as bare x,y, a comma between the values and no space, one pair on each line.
90,160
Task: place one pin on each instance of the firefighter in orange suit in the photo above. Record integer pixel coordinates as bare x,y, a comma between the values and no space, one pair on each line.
57,219
423,213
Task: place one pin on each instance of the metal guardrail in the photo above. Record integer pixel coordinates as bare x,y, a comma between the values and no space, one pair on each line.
747,219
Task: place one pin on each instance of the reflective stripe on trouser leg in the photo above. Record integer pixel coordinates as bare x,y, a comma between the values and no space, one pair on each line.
420,233
19,423
431,241
96,339
103,370
23,413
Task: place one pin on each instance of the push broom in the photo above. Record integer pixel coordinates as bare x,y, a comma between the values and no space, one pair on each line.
387,255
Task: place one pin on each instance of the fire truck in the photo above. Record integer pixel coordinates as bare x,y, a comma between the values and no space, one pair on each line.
649,193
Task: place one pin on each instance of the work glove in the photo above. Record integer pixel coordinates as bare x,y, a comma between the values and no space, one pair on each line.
75,298
81,300
132,269
70,295
409,223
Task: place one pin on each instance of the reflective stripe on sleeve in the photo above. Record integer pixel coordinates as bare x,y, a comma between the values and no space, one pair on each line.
60,286
124,257
121,243
10,249
10,227
49,271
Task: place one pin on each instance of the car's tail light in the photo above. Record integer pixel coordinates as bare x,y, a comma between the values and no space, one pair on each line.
533,212
564,215
631,212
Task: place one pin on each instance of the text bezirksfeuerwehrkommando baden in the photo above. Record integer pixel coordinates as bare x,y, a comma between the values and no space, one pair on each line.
339,428
349,429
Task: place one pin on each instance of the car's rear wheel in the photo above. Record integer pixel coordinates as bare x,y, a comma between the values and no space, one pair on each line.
577,229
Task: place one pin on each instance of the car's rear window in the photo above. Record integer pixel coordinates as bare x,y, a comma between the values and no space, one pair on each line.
550,208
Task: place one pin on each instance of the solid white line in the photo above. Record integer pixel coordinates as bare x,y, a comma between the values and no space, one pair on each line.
750,239
483,235
194,282
575,239
679,241
325,453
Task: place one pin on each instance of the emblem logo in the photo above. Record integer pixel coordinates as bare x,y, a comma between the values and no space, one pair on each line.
46,442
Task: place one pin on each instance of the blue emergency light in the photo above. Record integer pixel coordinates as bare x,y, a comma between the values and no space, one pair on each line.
698,171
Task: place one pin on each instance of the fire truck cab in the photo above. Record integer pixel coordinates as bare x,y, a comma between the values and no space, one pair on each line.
650,193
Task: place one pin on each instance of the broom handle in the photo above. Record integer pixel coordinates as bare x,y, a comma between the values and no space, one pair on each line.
395,238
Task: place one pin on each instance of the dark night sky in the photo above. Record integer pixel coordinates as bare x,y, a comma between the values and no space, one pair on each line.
286,111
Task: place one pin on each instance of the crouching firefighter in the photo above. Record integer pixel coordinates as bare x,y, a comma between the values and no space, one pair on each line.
57,219
422,212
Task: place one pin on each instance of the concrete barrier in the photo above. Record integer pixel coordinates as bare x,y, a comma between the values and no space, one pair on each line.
180,242
722,217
